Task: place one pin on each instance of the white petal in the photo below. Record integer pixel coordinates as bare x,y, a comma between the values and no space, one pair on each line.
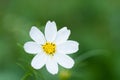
62,35
68,47
64,60
39,61
32,47
50,31
37,35
52,65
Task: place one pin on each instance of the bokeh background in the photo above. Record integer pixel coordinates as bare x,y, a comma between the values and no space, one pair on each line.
95,24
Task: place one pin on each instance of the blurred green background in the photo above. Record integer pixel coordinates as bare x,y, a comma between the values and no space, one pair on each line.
95,24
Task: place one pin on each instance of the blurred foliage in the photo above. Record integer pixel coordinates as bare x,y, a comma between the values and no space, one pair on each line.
95,24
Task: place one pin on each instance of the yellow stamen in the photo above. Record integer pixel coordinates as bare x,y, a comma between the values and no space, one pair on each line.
49,48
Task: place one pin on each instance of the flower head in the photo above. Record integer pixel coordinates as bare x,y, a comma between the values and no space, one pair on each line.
52,48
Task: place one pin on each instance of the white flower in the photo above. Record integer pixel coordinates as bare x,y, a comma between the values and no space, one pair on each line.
51,49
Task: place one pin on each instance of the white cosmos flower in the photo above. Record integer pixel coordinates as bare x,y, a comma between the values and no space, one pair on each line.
52,48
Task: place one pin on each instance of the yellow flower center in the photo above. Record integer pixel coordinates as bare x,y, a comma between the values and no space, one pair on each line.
49,48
